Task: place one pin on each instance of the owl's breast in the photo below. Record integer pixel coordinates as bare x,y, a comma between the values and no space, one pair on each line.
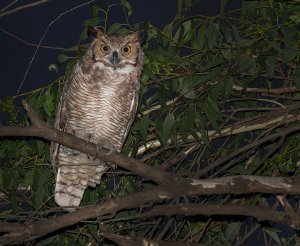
102,107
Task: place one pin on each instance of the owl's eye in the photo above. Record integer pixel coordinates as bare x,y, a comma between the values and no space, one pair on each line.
126,50
104,48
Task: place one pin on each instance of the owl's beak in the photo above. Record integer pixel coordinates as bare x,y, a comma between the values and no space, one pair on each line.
115,59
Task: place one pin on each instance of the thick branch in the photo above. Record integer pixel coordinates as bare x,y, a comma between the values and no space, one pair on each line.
261,214
138,241
230,185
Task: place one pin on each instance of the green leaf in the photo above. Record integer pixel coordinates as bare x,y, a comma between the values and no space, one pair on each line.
223,5
211,35
83,35
94,10
43,177
53,67
227,34
167,127
94,231
271,62
289,55
28,179
128,6
297,77
232,231
236,39
40,147
273,234
148,71
228,84
288,36
211,115
245,65
114,28
143,126
201,36
48,104
95,21
187,121
13,201
62,58
179,4
1,179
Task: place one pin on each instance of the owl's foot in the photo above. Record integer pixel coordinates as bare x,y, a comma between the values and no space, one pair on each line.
112,151
75,152
89,137
74,133
98,147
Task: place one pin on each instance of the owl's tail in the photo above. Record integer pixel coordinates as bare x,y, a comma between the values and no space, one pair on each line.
71,182
69,189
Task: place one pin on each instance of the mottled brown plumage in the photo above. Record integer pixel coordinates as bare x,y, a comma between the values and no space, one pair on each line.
98,103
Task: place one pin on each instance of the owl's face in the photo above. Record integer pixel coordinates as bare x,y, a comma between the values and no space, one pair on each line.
119,52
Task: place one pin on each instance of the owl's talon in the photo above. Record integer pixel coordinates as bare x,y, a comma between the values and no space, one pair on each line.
98,147
111,151
89,138
74,133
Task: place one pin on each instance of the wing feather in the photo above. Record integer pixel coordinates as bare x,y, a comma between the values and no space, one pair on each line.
61,120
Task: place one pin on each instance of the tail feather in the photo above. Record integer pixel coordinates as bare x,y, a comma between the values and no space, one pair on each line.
71,183
69,192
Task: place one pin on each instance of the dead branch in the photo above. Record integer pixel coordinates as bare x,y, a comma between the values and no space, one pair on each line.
28,43
276,91
138,241
261,214
26,6
280,117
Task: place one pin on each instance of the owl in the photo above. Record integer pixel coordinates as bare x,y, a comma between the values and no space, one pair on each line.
98,103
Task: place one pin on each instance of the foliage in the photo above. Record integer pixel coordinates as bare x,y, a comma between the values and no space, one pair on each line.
210,86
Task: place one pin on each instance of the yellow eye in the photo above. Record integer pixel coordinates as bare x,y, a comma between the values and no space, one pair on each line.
104,48
126,50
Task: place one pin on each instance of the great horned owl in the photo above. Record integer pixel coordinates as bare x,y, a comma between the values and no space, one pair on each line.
98,103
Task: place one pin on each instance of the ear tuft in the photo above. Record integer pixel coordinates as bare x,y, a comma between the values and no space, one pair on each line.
94,32
142,34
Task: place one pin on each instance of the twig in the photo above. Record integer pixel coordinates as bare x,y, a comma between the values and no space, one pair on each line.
30,5
276,91
28,43
245,148
43,36
8,6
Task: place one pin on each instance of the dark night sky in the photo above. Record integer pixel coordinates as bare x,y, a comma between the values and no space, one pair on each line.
31,23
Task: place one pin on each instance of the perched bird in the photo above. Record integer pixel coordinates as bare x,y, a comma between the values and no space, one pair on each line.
98,103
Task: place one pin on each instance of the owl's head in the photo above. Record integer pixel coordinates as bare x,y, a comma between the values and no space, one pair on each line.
117,51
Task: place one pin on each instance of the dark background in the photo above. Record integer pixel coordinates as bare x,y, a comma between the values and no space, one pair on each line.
30,24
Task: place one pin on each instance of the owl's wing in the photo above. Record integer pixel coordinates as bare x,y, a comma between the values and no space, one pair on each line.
133,107
61,120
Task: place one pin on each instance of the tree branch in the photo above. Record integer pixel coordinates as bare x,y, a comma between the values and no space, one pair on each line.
261,214
138,241
26,6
